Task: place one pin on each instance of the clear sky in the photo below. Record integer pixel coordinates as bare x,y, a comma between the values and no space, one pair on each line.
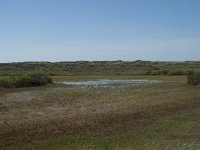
65,30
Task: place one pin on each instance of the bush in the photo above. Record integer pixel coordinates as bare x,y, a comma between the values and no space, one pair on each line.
189,72
155,72
164,72
26,81
5,83
176,72
33,80
148,72
193,79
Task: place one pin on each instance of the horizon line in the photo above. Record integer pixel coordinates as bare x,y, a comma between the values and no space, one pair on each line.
46,61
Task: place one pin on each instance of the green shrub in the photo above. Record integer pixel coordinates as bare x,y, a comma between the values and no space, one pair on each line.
176,72
193,79
155,72
26,81
148,72
188,72
6,83
164,72
33,80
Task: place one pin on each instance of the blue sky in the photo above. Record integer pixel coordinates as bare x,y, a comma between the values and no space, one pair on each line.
66,30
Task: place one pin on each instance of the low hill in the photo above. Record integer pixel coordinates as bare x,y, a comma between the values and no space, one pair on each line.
101,68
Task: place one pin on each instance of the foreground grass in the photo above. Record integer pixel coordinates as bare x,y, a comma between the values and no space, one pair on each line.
180,132
155,116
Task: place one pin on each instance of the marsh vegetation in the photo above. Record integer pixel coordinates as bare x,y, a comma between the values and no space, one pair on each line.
127,105
162,115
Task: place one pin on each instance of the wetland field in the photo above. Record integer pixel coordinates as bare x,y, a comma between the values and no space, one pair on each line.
99,75
153,115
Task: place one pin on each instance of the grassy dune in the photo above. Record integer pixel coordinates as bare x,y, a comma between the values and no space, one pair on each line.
138,67
155,116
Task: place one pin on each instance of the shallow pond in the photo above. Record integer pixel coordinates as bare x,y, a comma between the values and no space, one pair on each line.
109,82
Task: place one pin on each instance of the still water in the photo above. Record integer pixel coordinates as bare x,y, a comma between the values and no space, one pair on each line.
108,82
